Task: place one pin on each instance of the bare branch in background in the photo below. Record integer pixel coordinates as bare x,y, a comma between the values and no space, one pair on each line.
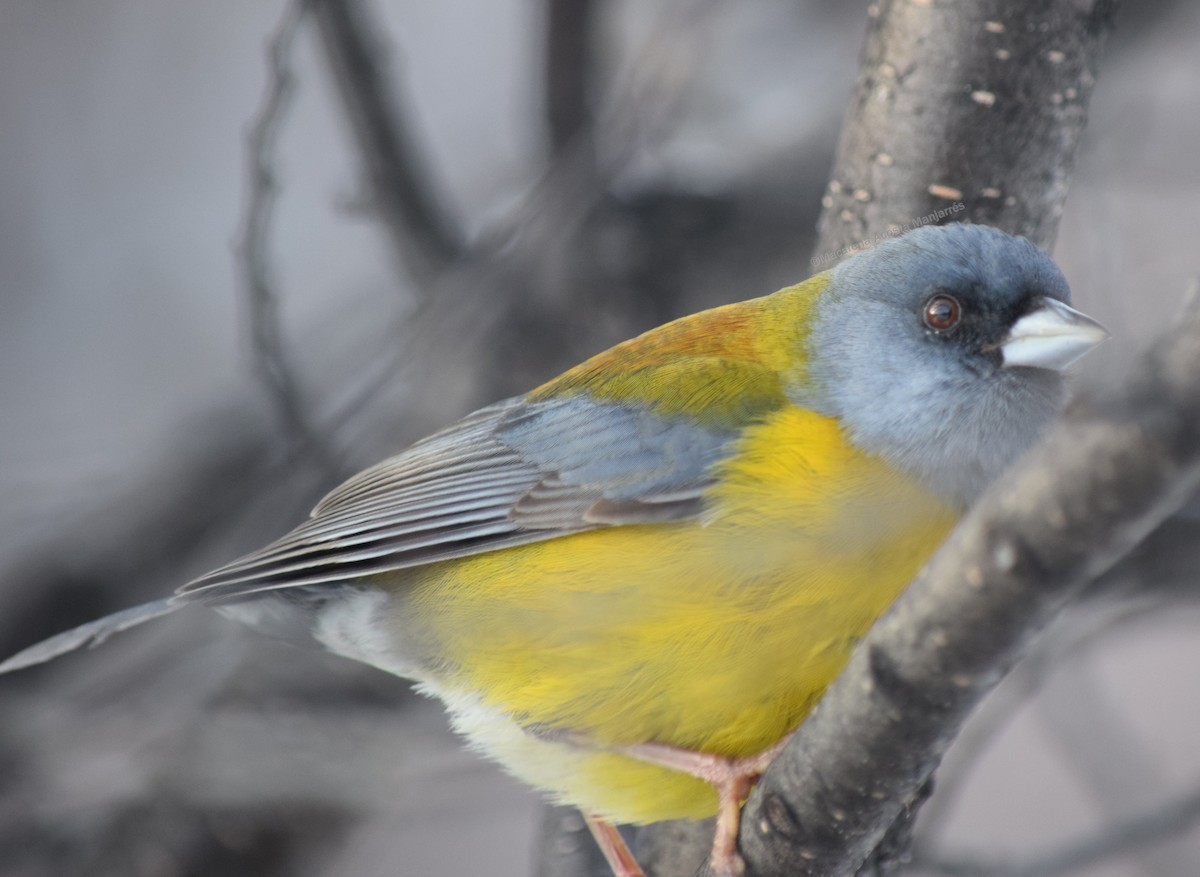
275,370
1118,839
549,281
1090,492
975,108
424,236
581,269
569,72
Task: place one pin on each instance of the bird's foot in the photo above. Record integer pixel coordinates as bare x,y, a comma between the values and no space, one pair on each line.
616,851
732,778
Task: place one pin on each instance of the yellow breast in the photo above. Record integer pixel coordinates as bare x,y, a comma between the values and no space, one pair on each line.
714,635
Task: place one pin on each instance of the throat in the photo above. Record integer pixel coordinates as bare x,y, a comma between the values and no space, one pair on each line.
957,449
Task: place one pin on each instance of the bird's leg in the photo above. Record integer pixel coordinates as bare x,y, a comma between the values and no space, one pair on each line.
616,851
732,778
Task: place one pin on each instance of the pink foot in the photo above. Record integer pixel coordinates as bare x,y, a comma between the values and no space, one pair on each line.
616,851
732,778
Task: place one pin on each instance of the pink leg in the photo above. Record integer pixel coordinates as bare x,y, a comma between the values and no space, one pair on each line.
732,778
615,850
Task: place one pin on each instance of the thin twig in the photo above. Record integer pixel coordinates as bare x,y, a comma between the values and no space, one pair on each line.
271,360
425,238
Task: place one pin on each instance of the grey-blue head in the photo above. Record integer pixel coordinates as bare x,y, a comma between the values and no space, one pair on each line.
943,350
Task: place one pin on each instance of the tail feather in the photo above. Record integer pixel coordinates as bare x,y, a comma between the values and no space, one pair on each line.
91,634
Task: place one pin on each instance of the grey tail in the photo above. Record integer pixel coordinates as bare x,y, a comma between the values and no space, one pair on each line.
91,634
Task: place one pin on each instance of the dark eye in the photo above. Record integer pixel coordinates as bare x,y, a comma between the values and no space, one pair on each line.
942,312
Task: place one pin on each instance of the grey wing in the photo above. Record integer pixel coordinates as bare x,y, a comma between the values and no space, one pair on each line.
510,474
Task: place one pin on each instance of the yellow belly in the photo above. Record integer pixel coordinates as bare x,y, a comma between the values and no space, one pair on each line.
714,635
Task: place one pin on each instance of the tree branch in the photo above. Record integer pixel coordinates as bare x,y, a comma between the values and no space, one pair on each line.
423,235
973,108
273,365
1087,495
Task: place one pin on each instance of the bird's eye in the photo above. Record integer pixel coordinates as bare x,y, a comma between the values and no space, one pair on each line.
942,312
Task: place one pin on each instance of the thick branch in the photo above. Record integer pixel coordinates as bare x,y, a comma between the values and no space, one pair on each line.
976,108
1101,481
422,233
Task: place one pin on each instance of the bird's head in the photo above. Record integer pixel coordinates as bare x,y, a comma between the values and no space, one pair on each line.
943,351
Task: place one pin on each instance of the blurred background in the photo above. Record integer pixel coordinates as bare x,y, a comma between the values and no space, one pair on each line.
207,318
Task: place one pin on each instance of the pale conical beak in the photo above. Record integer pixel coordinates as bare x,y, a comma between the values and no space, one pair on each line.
1053,336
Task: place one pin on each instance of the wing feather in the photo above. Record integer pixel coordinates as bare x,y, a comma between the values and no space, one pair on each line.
510,474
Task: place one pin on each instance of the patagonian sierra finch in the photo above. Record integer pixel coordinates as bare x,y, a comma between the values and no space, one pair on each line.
632,583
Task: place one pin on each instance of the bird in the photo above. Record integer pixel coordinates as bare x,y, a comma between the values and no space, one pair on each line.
632,583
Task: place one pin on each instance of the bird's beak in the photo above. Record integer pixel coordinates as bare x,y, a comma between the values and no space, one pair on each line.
1052,336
